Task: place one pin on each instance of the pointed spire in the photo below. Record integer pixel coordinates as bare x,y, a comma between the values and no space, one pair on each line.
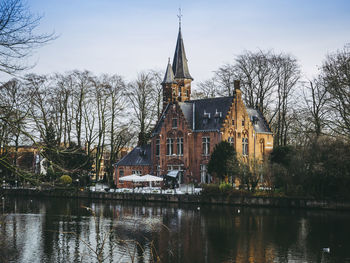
179,16
180,67
169,75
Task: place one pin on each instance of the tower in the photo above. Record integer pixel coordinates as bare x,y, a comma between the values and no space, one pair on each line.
177,79
169,86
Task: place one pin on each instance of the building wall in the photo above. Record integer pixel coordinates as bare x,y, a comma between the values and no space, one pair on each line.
168,131
236,125
192,156
259,144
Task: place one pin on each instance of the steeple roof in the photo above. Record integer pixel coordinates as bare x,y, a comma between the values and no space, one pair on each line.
169,75
180,67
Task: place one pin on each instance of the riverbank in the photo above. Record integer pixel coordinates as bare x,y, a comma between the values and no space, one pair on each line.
283,202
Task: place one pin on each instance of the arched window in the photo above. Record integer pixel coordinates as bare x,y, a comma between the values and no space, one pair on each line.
245,146
262,146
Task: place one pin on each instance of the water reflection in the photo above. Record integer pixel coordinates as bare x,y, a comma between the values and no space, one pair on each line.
63,230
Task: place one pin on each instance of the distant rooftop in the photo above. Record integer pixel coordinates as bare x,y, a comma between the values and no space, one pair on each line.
140,155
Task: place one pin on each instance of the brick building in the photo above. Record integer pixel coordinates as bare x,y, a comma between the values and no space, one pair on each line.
188,130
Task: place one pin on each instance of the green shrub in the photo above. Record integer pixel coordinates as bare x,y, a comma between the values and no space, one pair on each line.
65,179
226,188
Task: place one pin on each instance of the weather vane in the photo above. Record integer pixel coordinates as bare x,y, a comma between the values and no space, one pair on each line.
179,16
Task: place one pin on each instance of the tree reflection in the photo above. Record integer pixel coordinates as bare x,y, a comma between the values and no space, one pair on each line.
63,230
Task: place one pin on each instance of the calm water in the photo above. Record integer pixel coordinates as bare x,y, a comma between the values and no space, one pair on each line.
60,230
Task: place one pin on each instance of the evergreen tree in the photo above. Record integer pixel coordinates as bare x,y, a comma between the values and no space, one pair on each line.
223,161
50,151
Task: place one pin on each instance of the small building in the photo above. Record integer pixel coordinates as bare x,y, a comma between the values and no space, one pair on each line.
138,161
188,130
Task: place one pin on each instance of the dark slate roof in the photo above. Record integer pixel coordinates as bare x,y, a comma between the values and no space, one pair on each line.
169,75
140,155
210,113
259,123
159,124
187,110
180,67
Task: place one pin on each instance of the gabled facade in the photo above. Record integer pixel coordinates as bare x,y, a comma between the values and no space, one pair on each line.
188,130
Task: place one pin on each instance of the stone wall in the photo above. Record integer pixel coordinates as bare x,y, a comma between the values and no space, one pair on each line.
194,199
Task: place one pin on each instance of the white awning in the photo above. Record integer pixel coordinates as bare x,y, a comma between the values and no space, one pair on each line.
149,178
131,178
173,173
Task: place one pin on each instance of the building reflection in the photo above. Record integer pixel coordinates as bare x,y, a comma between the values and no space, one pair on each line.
59,230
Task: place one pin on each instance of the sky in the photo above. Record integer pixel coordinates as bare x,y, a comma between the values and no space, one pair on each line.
127,37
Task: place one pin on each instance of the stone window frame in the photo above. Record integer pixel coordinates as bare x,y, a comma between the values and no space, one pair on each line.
245,148
157,146
204,173
169,146
206,145
180,146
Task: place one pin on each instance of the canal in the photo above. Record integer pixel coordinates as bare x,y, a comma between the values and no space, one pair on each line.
68,230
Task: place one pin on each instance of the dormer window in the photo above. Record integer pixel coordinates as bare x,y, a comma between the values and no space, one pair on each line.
206,115
217,116
254,119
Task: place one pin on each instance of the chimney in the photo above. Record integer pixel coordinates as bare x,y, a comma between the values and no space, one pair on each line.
236,84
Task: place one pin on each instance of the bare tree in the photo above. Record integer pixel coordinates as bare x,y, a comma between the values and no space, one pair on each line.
225,77
116,129
258,78
82,81
316,100
17,35
141,96
207,89
158,90
336,75
61,97
101,102
287,74
13,113
41,109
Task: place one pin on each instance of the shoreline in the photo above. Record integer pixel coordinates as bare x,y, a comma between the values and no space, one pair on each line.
197,199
